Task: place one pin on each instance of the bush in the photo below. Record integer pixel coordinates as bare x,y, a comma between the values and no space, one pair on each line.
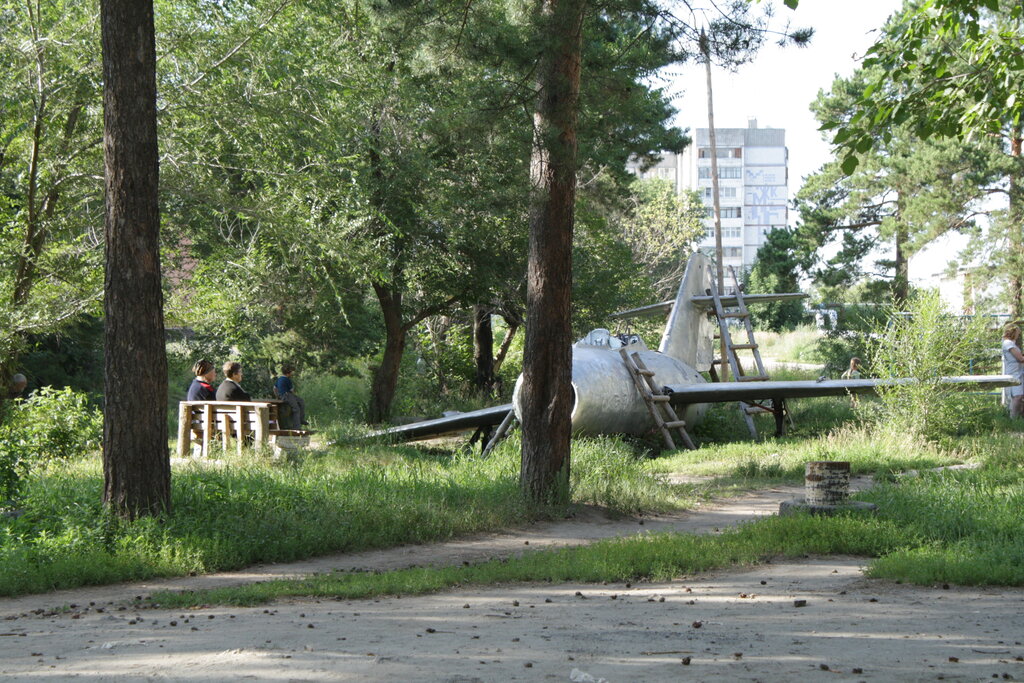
850,336
53,424
926,344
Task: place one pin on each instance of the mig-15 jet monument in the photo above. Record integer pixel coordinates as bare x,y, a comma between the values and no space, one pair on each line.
622,387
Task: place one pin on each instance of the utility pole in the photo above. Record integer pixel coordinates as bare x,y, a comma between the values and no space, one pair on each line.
705,48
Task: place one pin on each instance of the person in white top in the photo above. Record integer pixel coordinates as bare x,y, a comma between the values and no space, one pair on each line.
1013,364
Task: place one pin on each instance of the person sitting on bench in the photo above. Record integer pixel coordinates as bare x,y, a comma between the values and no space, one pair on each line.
231,388
201,388
285,390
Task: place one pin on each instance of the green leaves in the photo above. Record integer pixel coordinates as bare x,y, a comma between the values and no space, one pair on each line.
850,163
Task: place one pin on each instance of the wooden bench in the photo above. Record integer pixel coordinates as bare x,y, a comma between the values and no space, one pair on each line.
206,420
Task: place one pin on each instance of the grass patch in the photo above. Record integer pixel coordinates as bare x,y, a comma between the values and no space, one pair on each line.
796,346
653,557
249,510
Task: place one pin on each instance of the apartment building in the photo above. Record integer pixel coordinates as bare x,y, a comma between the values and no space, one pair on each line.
753,186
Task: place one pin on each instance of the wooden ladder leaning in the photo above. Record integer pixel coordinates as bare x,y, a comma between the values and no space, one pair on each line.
776,407
657,403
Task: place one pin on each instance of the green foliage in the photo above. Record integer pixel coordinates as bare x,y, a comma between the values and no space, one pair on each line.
906,191
72,357
942,70
778,270
849,336
959,69
926,344
51,169
661,229
53,424
240,511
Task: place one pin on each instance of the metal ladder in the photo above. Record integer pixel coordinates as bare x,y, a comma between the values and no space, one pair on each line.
657,403
776,407
500,433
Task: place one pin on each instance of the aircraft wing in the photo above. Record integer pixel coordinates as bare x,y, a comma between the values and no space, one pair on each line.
459,422
723,392
705,302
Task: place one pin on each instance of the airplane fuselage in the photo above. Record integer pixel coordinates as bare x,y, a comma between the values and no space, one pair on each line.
606,400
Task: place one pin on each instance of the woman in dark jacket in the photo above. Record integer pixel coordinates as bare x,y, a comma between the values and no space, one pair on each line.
201,388
231,388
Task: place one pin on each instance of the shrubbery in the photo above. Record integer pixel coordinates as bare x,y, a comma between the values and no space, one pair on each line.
54,424
927,343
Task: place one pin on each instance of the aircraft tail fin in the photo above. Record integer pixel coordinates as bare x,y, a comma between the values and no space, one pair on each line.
688,332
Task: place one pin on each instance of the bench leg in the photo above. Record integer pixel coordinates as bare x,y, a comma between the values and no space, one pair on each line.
226,440
240,425
184,430
208,427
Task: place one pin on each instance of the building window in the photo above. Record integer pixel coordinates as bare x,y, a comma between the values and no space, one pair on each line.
727,232
724,192
723,153
727,211
723,172
732,252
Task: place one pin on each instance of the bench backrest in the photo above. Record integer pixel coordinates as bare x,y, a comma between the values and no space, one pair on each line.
251,413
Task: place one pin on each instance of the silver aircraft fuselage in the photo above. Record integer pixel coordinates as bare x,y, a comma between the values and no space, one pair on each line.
605,399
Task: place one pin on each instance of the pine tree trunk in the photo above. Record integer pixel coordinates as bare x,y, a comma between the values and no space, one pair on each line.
385,379
547,364
136,462
483,349
901,281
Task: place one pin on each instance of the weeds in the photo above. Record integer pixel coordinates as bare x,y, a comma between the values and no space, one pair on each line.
248,510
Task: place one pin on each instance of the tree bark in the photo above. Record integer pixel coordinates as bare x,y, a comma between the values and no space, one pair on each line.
483,349
547,365
136,462
506,343
385,379
901,279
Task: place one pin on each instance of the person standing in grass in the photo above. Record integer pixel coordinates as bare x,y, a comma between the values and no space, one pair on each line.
285,390
1013,364
201,388
231,388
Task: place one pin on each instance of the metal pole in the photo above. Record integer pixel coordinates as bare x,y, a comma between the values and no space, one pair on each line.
719,270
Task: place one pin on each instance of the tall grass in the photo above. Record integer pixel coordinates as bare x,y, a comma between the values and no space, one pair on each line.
796,346
970,524
248,510
926,344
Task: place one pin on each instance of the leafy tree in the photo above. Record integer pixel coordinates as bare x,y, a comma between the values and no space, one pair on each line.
950,69
905,191
50,170
777,269
661,228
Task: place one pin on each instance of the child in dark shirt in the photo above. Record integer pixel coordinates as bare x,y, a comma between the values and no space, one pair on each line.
285,390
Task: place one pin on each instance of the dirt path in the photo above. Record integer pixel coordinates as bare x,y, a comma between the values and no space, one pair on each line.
729,626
